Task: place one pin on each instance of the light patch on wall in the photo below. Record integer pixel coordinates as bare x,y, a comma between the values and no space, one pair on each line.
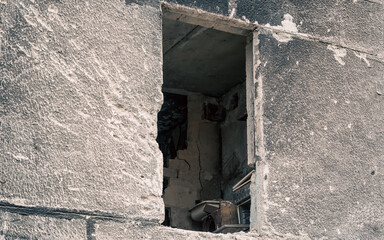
285,30
233,13
18,156
338,53
245,19
362,56
53,9
232,6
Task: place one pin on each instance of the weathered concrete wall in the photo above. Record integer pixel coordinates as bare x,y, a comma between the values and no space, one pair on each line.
323,126
80,90
78,110
16,226
137,230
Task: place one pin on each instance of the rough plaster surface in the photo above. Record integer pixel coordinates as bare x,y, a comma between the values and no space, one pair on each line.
16,226
78,110
80,90
136,230
356,23
323,127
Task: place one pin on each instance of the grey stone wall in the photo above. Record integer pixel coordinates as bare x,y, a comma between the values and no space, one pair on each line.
323,135
80,90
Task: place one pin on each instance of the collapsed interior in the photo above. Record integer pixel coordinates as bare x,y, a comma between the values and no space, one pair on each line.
202,130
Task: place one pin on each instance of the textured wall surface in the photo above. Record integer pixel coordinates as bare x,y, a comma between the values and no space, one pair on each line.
16,226
80,90
323,127
357,24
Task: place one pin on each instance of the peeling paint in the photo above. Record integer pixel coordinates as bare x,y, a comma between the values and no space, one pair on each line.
287,27
338,53
245,19
232,8
233,13
362,56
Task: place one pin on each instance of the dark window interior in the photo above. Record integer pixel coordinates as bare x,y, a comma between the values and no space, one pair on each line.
202,131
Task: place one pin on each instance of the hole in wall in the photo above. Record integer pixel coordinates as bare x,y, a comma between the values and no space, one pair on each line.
202,131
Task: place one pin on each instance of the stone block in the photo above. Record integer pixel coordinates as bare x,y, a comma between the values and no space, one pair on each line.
78,111
137,230
16,226
323,126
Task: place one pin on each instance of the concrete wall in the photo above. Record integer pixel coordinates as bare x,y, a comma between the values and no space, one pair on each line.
234,139
78,115
323,135
80,90
196,170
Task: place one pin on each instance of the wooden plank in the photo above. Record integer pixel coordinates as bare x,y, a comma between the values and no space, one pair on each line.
242,185
243,180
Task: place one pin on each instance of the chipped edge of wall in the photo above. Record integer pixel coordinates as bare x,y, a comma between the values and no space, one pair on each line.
338,53
286,30
258,189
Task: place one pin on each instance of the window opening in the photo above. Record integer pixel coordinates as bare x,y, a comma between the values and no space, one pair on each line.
202,128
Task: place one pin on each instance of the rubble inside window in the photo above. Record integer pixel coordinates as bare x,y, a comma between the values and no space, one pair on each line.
202,129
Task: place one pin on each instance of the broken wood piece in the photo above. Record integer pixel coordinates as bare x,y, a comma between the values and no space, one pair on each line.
247,179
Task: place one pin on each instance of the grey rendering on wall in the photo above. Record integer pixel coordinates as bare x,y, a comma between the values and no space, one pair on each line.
120,117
